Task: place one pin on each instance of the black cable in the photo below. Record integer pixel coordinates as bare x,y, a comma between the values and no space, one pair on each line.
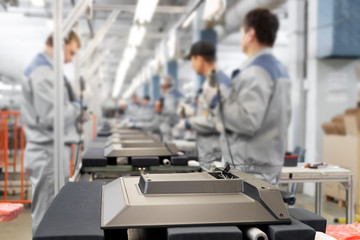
223,123
214,82
82,88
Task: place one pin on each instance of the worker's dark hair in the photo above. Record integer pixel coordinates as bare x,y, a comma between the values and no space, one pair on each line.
72,36
265,23
205,49
147,98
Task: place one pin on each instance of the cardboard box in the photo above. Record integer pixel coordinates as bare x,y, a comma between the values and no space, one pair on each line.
356,113
329,128
341,151
350,124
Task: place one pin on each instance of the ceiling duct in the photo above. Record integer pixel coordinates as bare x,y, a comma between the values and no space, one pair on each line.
236,13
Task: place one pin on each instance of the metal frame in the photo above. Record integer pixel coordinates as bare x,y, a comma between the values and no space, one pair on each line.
132,8
75,14
99,36
61,29
94,67
319,176
194,7
59,180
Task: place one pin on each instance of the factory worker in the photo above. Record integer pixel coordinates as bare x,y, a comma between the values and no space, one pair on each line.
172,96
38,118
202,55
257,110
158,124
133,108
146,110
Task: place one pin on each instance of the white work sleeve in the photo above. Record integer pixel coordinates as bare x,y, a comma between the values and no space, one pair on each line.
43,96
151,125
246,105
203,124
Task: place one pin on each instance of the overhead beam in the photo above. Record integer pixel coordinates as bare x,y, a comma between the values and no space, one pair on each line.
132,87
94,67
194,7
132,8
99,36
75,15
59,180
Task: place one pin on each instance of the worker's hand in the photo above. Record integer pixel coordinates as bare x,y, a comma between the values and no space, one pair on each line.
210,95
131,124
123,123
85,116
184,110
180,124
219,126
127,123
183,124
79,127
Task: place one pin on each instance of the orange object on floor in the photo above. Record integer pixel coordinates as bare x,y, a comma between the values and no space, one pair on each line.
9,118
344,232
10,211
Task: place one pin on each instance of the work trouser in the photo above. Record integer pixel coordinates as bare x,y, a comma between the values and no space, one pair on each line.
208,148
39,166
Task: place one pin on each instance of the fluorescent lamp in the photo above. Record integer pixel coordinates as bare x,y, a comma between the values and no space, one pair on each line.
130,53
17,87
6,87
120,76
145,10
38,3
172,45
136,36
188,20
162,53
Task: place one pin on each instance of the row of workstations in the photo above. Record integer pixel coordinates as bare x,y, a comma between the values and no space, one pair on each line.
160,196
117,152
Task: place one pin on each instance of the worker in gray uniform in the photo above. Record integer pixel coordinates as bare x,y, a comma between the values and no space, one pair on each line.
256,113
172,97
37,112
202,55
133,108
158,124
146,111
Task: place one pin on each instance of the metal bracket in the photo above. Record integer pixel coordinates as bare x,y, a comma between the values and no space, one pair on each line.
99,36
94,67
75,14
132,8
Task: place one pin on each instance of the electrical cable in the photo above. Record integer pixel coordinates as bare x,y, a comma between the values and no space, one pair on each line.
213,82
82,88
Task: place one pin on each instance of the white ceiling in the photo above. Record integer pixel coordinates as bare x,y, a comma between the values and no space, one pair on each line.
24,29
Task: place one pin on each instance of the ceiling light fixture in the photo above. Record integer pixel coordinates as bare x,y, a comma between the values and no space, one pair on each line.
120,76
136,36
145,10
130,53
38,3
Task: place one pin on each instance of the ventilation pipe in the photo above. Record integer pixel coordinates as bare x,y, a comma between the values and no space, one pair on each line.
235,15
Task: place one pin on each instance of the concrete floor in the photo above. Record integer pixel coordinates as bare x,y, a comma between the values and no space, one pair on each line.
19,228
